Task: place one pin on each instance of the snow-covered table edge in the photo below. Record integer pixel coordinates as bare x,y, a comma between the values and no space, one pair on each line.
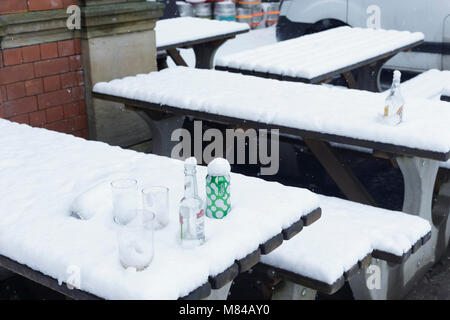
205,43
216,282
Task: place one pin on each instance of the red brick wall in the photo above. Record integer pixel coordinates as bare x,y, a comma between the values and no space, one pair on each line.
14,6
43,86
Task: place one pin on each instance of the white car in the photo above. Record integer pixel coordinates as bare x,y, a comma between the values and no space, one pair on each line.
432,17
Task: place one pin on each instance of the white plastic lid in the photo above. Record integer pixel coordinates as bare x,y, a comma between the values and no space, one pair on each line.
219,167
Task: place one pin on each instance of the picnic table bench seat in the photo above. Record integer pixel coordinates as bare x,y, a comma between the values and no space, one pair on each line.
354,233
42,172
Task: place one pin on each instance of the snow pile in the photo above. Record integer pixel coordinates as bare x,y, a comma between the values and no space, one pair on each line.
178,30
348,113
86,205
346,232
219,167
41,174
320,53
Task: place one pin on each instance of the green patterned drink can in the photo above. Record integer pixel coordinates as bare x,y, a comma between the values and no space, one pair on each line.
218,186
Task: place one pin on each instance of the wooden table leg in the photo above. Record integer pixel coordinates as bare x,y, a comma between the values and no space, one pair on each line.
161,61
350,79
162,128
205,52
341,173
368,76
176,57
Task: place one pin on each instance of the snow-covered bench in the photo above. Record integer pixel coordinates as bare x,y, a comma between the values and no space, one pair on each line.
340,247
318,57
203,35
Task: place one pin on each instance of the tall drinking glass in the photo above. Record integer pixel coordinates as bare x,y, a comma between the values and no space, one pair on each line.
156,199
125,200
135,241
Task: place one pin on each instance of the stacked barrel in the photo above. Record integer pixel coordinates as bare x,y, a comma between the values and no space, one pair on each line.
256,13
252,11
272,13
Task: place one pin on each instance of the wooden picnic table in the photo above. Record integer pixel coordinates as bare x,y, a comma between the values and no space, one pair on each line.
320,116
42,172
319,57
203,35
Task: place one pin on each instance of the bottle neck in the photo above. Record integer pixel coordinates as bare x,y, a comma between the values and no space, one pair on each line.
190,183
395,85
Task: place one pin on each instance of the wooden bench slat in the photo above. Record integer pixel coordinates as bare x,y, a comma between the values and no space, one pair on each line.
293,230
224,277
271,244
249,261
312,217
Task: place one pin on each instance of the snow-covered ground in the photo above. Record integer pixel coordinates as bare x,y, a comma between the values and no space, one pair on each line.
250,40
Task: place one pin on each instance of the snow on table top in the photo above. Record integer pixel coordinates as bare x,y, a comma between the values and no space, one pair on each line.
349,113
42,172
179,30
317,54
346,233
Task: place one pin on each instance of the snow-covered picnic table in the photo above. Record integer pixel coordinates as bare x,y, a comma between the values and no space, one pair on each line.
320,115
321,56
203,35
42,172
320,112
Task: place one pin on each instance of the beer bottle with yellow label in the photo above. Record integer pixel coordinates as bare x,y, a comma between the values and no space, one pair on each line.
395,103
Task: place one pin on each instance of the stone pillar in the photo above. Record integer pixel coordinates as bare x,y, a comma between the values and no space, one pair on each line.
117,40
